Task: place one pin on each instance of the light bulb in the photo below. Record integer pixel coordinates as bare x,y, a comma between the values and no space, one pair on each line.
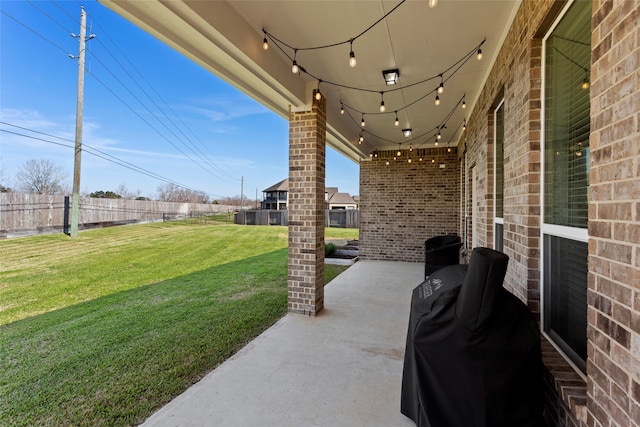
420,159
318,96
479,54
382,107
362,122
585,84
387,162
265,44
437,100
361,139
294,68
433,3
441,87
464,105
439,136
408,160
341,109
371,155
398,153
397,122
436,144
352,59
449,150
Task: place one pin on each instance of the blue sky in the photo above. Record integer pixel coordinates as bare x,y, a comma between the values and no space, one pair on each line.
144,104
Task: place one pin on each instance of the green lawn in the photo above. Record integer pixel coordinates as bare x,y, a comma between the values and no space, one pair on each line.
106,328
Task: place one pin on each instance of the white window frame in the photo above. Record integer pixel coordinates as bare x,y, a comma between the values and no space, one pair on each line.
572,233
496,219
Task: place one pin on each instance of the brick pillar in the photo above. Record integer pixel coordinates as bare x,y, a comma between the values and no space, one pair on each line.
307,135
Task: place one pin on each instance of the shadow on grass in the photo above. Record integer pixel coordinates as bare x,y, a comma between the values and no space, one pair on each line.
116,359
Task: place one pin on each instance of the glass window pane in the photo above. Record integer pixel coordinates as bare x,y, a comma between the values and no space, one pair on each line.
566,295
499,141
567,118
499,238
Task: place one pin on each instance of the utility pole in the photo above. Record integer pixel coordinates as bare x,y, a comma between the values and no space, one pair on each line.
75,197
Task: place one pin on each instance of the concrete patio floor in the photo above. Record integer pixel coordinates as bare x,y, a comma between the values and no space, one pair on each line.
342,368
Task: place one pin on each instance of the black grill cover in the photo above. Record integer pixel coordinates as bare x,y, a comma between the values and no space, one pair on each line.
473,354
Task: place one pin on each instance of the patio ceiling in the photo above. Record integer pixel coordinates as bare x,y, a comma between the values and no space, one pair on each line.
423,43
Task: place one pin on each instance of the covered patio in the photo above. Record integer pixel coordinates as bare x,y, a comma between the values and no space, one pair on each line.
340,368
489,149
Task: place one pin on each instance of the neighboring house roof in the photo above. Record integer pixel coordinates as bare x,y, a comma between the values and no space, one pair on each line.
333,196
281,186
341,199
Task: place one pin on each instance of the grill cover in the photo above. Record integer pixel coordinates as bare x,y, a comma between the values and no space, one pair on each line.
473,350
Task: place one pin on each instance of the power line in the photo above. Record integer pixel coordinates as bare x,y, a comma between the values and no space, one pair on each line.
132,65
34,32
100,154
218,173
154,115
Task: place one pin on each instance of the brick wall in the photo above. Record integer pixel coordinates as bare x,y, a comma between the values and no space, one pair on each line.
613,367
307,133
402,204
611,394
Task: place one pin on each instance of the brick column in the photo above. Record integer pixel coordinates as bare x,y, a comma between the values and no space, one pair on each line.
307,135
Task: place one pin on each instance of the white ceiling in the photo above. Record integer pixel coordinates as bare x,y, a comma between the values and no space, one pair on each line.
226,38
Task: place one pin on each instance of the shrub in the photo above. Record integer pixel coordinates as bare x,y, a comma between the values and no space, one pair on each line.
329,249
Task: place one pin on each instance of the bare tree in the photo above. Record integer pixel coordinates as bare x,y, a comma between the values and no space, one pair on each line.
124,192
41,177
173,193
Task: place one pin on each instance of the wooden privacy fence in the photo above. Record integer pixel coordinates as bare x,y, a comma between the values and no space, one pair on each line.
333,218
26,214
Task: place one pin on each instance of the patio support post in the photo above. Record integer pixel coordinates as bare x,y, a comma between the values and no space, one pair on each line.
307,137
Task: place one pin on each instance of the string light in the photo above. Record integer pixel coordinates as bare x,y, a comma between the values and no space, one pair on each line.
399,153
441,87
265,44
341,108
361,139
397,122
352,56
464,125
433,3
437,100
464,104
382,107
585,82
387,162
294,66
318,94
409,160
479,54
362,122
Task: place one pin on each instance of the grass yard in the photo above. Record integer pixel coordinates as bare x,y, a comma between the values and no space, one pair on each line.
106,328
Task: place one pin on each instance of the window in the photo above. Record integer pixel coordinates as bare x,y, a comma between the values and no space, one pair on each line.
566,112
499,177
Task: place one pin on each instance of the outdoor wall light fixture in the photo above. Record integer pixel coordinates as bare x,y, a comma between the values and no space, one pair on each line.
406,132
391,76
